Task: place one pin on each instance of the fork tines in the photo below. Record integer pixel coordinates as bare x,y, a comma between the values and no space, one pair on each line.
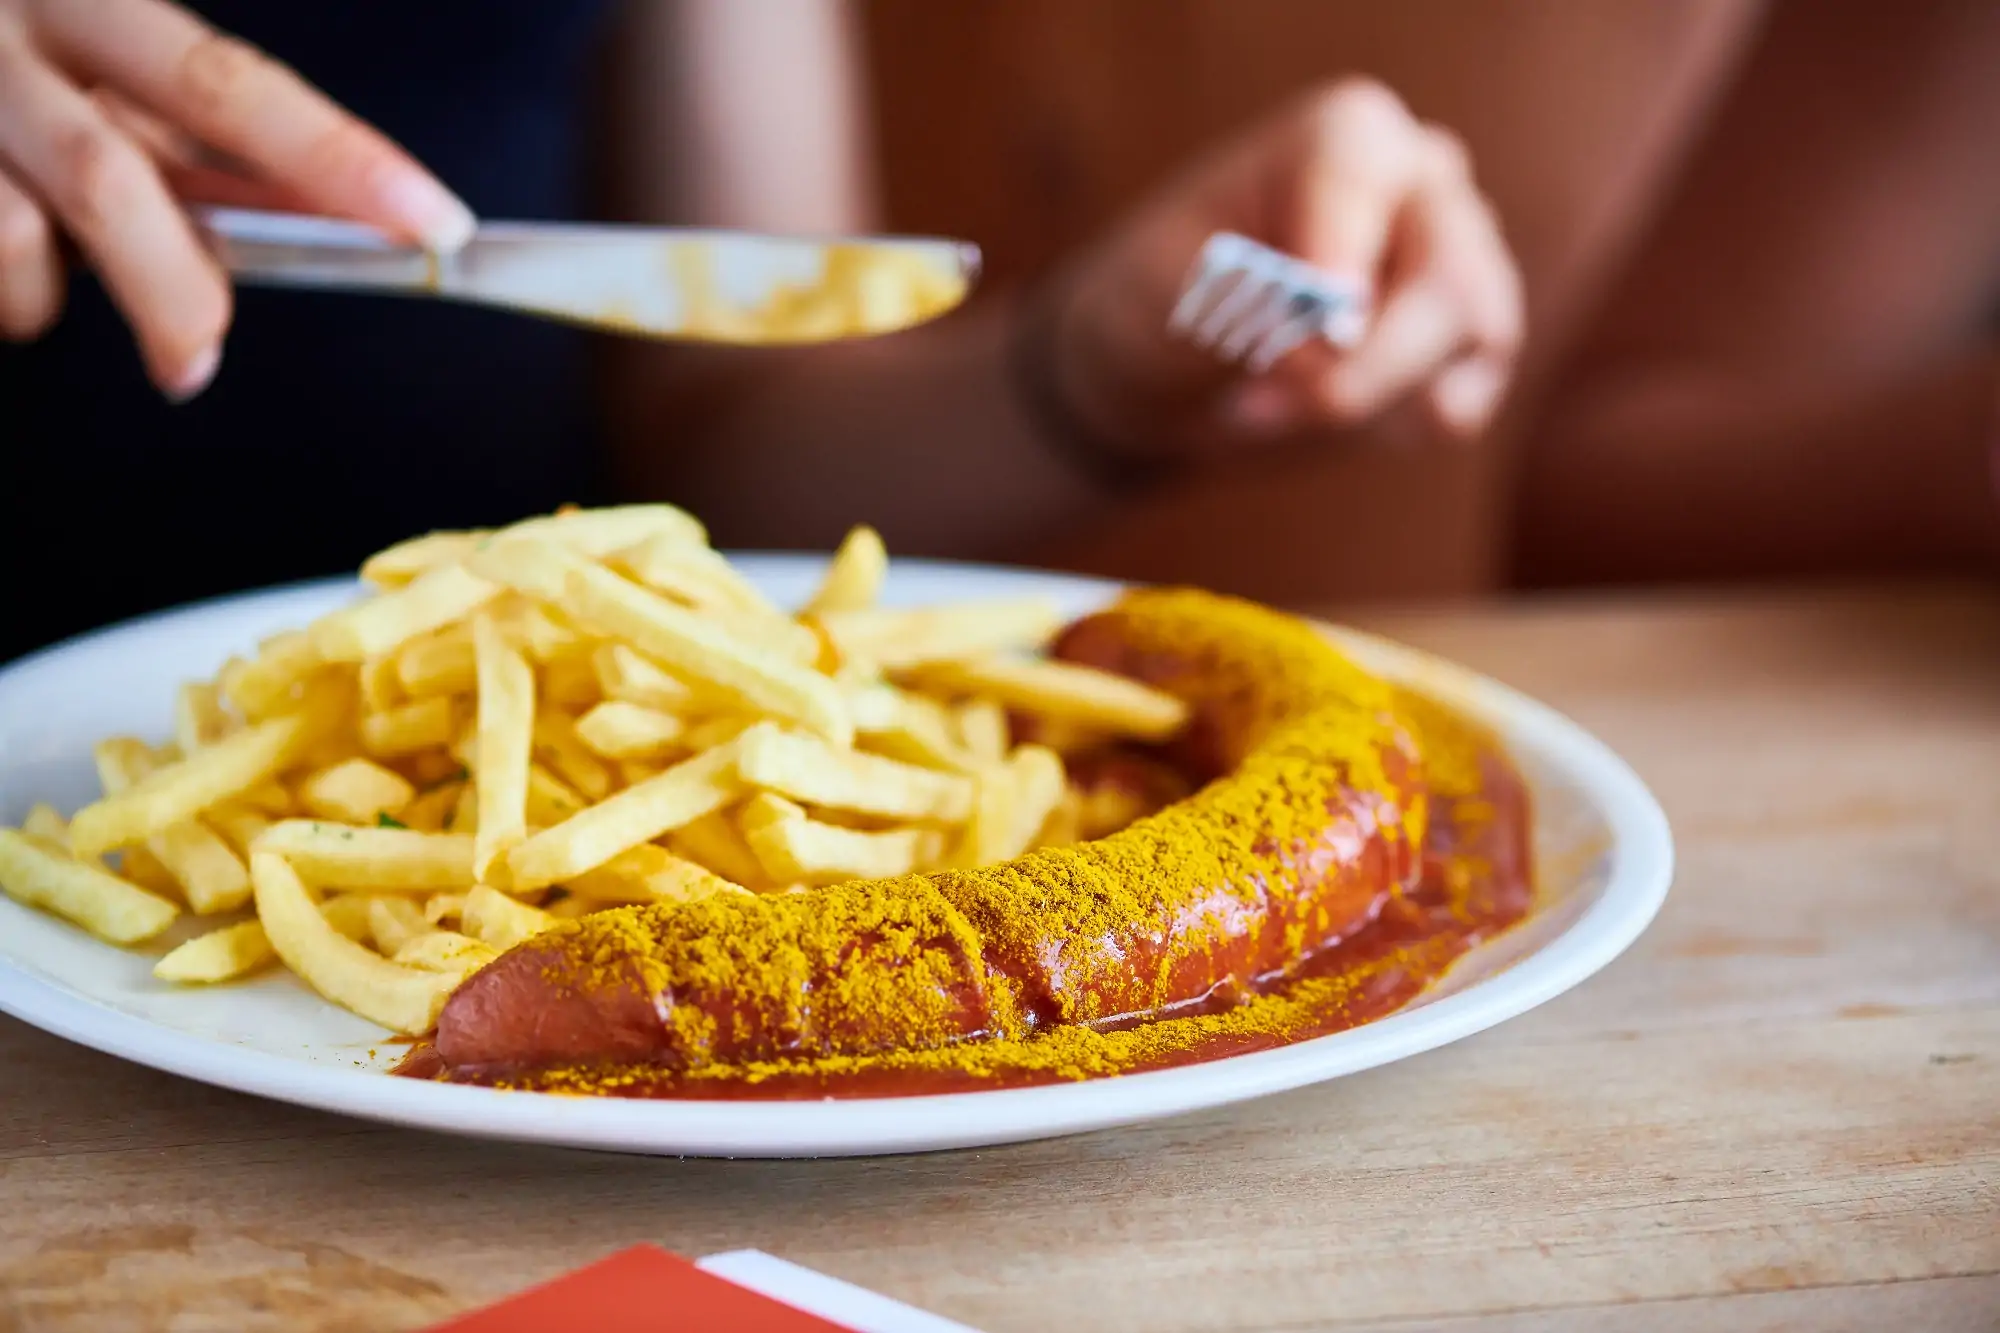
1249,303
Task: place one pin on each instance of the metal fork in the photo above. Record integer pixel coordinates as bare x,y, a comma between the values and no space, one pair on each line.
1249,303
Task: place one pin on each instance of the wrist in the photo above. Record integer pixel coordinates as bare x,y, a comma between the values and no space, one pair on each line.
1035,366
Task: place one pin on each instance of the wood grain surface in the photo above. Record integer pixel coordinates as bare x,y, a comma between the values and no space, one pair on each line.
1781,1110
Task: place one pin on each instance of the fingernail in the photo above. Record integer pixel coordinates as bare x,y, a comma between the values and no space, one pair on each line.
1260,408
435,215
1466,394
195,375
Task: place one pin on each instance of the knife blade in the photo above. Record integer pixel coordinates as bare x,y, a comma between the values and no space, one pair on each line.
657,282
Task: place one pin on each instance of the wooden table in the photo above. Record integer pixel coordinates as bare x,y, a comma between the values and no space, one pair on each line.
1781,1110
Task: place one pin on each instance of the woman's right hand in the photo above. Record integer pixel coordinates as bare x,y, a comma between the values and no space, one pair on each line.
112,110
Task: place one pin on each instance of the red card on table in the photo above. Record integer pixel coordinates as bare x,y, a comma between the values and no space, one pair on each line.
640,1290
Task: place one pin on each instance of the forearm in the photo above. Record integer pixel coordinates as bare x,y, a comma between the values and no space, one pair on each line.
1681,473
925,435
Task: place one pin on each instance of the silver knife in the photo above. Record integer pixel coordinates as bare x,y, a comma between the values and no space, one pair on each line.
658,282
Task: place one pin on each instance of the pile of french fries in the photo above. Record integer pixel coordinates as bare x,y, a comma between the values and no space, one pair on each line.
581,711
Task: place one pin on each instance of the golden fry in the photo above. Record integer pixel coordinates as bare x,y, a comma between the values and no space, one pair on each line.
380,860
625,676
210,875
402,999
356,791
40,875
904,637
1064,690
649,873
619,730
200,720
854,578
384,623
420,725
674,635
221,955
506,737
810,770
638,814
179,791
500,922
393,922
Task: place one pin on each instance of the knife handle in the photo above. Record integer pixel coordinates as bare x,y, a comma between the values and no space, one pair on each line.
290,251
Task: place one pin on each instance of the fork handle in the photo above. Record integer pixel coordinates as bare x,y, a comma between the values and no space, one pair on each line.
288,251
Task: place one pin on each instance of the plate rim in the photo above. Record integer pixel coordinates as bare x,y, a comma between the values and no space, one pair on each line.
1639,877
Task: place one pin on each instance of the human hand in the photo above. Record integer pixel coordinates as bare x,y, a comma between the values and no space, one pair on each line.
1347,180
112,110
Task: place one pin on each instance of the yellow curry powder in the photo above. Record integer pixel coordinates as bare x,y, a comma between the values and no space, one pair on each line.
877,974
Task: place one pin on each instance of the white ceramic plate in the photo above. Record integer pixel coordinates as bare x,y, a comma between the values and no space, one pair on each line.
1604,861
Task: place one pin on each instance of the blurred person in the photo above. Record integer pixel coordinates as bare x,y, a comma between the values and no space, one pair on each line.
1798,373
333,424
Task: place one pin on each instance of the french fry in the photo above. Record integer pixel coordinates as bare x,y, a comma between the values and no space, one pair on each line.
715,842
982,729
908,727
41,875
270,684
220,955
550,799
268,797
893,637
393,922
1038,784
464,817
238,824
500,922
442,907
348,914
200,720
599,532
695,573
854,578
381,687
433,809
379,860
138,866
625,676
619,730
43,822
808,851
1064,690
445,951
179,791
428,769
403,999
212,878
637,770
506,737
570,682
649,873
557,747
438,664
810,770
420,725
382,624
398,564
638,814
1064,826
355,791
674,635
536,630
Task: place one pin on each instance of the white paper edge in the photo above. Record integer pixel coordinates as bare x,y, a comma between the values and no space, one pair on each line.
815,1293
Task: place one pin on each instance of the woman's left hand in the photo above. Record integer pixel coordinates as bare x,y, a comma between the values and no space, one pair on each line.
1349,181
